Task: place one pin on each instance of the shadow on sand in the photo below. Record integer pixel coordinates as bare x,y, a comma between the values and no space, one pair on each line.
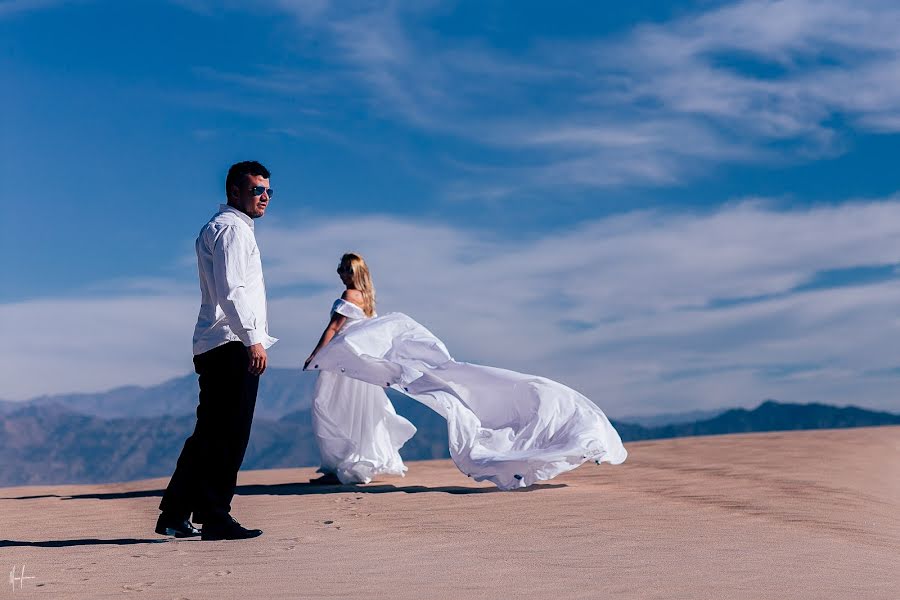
279,489
304,489
81,542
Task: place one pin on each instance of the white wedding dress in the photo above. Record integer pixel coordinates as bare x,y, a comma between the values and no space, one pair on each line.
505,427
357,429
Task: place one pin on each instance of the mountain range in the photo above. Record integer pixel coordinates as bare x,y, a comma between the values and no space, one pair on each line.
137,432
281,391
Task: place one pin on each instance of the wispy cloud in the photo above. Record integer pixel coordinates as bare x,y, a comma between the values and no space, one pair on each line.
644,312
96,343
756,81
770,69
15,7
753,81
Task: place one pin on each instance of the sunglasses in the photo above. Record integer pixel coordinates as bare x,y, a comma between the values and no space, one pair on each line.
260,189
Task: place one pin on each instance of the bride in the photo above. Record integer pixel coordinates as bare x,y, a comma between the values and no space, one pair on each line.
505,427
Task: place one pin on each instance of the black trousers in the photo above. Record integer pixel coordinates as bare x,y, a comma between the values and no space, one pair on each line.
206,474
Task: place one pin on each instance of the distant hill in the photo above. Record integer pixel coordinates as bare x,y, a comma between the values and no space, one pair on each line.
672,418
768,416
281,391
51,443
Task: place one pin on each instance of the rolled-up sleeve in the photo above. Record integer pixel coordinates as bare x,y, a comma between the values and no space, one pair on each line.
230,256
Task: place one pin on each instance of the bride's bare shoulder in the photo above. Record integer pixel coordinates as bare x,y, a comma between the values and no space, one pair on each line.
354,296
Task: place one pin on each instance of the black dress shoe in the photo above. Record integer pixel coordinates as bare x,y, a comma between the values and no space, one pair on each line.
326,479
180,527
228,529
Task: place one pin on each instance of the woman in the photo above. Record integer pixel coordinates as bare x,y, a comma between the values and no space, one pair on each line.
356,426
506,427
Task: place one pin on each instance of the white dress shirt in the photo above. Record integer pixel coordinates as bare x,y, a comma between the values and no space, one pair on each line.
233,304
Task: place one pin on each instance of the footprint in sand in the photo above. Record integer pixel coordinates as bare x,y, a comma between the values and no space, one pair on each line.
211,576
136,587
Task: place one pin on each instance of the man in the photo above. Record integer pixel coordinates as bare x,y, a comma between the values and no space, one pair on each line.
230,343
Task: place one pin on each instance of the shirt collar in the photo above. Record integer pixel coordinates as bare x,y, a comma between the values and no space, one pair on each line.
243,217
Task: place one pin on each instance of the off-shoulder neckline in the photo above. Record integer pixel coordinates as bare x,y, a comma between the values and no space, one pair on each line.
352,303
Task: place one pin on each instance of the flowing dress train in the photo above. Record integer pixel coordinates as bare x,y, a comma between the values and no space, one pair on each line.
506,427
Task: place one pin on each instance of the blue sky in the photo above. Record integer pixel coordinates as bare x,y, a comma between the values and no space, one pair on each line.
668,206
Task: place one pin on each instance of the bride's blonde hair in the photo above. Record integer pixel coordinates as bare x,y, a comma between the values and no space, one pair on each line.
354,265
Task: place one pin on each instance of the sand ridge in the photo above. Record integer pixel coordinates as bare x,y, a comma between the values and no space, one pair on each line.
780,515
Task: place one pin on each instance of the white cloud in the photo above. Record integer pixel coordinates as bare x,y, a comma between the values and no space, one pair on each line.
644,312
758,81
10,8
91,344
823,58
754,81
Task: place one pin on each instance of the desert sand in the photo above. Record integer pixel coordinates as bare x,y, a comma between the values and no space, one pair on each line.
779,515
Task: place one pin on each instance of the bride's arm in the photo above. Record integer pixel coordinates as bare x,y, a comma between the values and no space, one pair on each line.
337,320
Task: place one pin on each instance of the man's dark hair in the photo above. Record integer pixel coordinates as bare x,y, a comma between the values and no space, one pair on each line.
239,171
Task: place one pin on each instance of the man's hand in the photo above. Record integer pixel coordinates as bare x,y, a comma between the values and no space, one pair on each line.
257,359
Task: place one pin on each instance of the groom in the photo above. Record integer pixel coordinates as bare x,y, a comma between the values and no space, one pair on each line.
230,342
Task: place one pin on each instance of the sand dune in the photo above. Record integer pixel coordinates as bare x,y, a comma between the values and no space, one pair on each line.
782,515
